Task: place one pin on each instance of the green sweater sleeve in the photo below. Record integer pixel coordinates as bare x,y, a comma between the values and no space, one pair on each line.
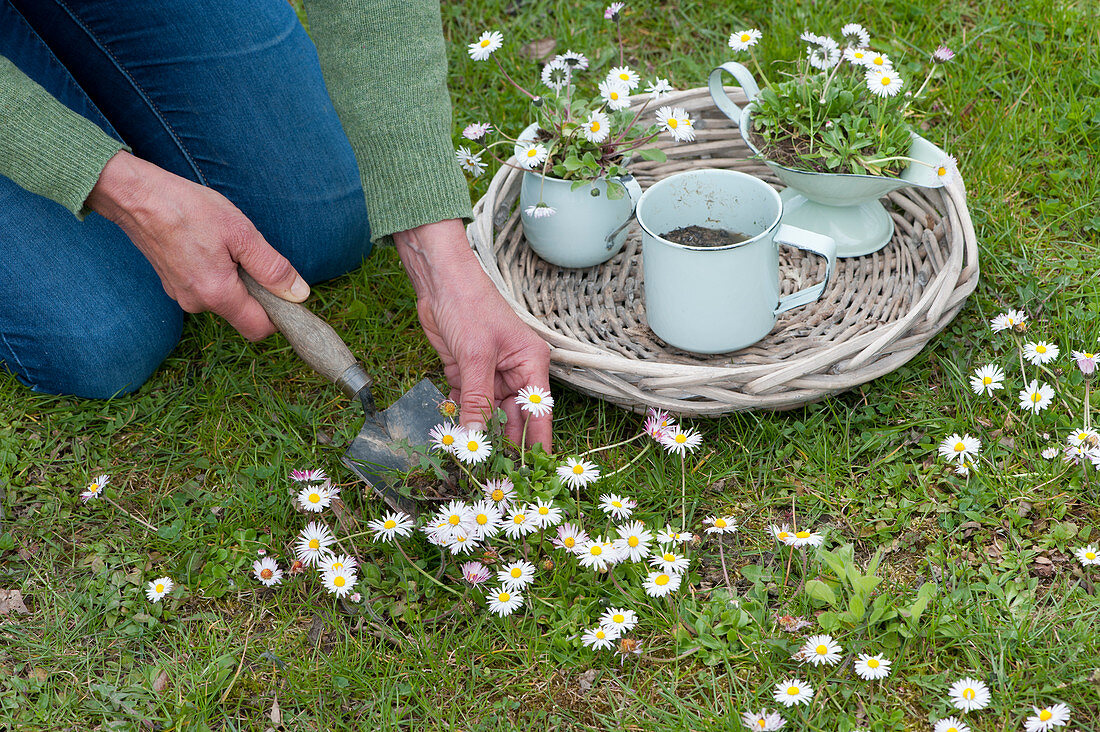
385,66
47,148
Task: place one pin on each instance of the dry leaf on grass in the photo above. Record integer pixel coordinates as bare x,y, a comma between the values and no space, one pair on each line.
11,603
276,715
539,50
161,682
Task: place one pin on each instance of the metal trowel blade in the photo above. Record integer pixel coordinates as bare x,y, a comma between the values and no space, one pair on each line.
380,451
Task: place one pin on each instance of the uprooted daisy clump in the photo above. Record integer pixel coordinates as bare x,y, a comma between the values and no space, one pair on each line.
584,127
841,108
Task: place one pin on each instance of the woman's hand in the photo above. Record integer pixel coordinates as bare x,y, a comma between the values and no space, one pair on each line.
195,237
488,353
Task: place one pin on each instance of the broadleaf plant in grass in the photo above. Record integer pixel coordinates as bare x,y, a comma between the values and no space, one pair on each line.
837,109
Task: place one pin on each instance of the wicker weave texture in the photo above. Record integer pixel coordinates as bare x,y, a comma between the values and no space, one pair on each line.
877,312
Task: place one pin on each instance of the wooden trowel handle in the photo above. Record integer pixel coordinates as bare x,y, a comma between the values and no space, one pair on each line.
313,340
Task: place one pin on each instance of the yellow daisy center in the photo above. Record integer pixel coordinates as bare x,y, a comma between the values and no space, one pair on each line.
160,587
1090,556
803,534
968,693
745,37
535,398
793,691
1036,397
877,60
448,440
618,618
886,81
314,544
504,597
960,446
672,122
662,580
617,504
482,519
454,520
942,171
1040,349
668,557
762,722
633,541
987,380
613,96
872,663
569,542
680,438
600,634
578,469
720,523
472,445
336,565
485,43
391,524
314,498
498,495
93,487
532,152
544,511
596,550
266,573
952,729
519,518
1045,715
822,649
595,126
624,76
516,572
782,535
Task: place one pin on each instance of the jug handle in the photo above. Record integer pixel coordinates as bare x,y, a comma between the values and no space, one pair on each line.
635,192
819,244
718,92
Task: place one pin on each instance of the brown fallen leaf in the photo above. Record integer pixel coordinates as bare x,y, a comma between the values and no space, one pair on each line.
11,603
539,50
161,682
276,715
39,674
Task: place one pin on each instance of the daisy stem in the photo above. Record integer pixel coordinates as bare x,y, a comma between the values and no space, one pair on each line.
611,574
802,582
608,447
523,436
722,556
683,499
143,522
511,80
619,29
465,469
1088,419
760,72
417,567
927,79
622,135
633,460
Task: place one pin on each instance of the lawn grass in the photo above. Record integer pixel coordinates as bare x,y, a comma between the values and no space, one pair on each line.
203,451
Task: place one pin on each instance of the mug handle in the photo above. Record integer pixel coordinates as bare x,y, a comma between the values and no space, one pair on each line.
634,191
718,92
824,246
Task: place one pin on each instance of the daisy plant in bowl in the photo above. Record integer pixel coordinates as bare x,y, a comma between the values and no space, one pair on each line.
584,129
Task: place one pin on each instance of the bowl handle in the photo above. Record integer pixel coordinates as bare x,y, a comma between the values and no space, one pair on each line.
819,244
718,92
634,190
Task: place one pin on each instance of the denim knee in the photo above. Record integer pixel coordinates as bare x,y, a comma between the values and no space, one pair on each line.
328,236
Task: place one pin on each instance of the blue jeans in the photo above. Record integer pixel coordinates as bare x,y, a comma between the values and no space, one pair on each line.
228,94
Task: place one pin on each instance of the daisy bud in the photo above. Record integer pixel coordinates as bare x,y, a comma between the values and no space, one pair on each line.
548,564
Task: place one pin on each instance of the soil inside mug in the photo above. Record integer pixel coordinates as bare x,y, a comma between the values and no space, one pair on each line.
704,236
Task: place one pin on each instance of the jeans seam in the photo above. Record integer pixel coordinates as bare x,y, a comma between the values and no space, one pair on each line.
15,357
138,88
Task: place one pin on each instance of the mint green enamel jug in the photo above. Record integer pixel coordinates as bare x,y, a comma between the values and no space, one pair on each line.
718,299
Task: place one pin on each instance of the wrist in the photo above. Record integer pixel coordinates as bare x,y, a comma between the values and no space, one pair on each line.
113,195
435,255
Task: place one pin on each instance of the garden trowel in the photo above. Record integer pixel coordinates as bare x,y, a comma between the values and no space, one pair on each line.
380,452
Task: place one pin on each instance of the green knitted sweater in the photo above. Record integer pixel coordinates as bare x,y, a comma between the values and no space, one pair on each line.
385,66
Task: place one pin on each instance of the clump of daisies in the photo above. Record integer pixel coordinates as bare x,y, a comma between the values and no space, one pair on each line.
586,124
839,108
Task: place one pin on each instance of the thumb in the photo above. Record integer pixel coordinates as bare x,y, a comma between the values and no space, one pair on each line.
476,403
270,269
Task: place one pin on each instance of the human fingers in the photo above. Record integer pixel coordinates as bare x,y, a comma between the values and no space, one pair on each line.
269,268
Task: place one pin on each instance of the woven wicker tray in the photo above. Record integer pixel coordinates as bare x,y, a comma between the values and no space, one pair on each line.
876,314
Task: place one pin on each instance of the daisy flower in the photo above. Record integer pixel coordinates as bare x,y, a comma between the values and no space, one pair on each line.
987,379
470,161
659,584
599,638
745,39
1004,321
943,54
446,436
391,526
1087,555
1084,436
339,581
947,170
574,60
793,691
477,130
878,62
614,95
618,507
678,440
500,492
1050,453
544,513
950,724
474,447
883,83
720,525
628,647
504,602
158,588
669,535
821,649
809,37
556,74
855,35
657,423
597,127
315,498
633,541
1040,352
313,543
1036,398
613,10
625,76
457,515
958,448
658,89
531,154
763,721
1047,718
618,619
267,571
519,523
668,561
805,538
825,54
486,521
462,542
1076,454
596,554
483,47
516,576
969,694
569,537
872,668
1085,361
676,122
782,533
857,56
95,488
577,473
535,400
475,572
540,210
308,476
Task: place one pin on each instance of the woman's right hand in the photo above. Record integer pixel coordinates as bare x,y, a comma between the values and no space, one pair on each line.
195,237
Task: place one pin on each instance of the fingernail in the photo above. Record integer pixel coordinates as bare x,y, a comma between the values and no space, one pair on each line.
475,426
300,289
